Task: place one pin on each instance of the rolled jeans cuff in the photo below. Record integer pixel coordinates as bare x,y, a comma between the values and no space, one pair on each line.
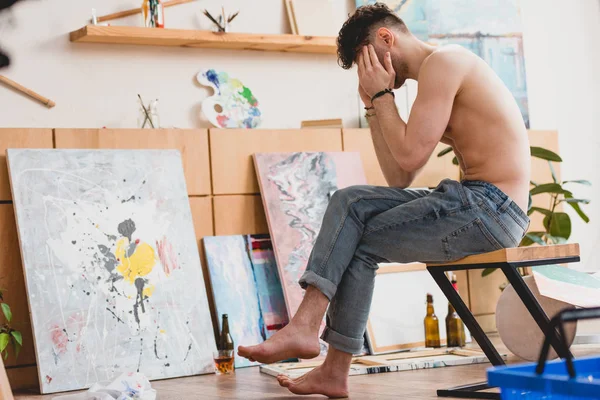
325,286
341,342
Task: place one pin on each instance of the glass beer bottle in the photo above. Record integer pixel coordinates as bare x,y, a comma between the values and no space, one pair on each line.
432,326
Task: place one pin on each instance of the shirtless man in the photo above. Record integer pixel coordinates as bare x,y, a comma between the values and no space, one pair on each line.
460,102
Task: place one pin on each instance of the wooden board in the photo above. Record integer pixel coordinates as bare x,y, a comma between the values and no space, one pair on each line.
435,170
232,149
192,143
239,215
204,39
407,361
5,390
24,378
202,214
520,254
487,322
12,281
17,138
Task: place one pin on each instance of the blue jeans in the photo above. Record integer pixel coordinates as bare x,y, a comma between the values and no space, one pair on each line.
367,225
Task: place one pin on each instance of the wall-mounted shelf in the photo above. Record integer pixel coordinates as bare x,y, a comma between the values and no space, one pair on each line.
203,39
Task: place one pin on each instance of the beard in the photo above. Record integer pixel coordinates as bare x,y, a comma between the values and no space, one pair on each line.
401,69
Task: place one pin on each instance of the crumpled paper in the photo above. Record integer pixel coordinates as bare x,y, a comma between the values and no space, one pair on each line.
128,386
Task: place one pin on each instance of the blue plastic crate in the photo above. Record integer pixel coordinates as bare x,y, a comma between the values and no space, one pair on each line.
522,382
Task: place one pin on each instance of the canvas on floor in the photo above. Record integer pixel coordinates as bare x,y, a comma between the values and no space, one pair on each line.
246,286
111,264
492,29
296,188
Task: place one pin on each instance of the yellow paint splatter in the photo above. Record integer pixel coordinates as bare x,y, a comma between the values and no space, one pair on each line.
140,263
148,291
163,331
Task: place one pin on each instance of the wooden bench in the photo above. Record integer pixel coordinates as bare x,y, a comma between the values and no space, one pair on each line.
507,260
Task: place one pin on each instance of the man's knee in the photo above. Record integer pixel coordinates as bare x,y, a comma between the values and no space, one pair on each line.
350,194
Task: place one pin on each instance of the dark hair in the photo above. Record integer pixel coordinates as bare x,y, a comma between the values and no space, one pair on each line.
356,30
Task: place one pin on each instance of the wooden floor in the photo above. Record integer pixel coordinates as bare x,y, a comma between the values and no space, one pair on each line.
249,383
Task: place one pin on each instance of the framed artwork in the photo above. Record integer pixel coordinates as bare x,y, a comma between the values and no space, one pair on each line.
492,29
246,286
399,307
295,189
405,361
111,265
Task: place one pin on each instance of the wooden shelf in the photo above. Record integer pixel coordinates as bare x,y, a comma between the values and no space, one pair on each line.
203,39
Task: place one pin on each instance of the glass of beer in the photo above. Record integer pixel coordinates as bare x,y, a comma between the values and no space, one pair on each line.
224,362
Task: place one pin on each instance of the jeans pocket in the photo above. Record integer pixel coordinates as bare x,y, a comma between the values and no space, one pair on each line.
472,238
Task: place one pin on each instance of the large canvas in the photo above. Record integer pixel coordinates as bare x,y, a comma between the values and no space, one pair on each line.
111,264
246,287
296,188
492,29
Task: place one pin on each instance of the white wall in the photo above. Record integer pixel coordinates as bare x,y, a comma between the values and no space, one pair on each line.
562,59
96,85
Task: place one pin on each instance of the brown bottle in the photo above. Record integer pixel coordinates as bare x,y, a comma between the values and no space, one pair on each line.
455,331
225,341
432,326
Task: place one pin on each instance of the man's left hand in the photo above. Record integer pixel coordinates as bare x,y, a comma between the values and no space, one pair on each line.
374,77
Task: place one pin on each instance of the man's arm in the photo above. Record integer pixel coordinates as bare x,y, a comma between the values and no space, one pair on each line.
393,173
411,144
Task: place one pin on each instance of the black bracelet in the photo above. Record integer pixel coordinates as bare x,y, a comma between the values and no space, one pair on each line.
382,93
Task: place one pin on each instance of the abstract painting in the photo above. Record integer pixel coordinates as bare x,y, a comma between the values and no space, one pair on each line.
111,264
296,188
246,287
232,105
492,29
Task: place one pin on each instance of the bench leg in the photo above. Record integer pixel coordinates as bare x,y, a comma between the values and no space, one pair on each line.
533,306
465,314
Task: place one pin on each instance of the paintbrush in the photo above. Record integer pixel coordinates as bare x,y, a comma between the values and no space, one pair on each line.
231,17
213,20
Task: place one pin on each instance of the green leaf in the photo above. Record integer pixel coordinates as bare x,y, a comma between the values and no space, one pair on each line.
572,200
580,181
5,355
445,151
455,161
17,350
17,336
533,183
547,188
6,311
540,210
545,154
559,225
578,209
487,271
4,339
529,202
552,172
556,239
533,237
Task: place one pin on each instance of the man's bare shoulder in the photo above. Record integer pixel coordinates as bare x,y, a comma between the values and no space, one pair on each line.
451,60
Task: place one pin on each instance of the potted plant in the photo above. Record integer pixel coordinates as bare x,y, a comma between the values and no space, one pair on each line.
8,335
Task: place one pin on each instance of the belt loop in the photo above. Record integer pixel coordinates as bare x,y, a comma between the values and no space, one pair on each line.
505,205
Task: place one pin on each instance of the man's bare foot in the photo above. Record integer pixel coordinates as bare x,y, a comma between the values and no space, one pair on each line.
293,341
321,380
